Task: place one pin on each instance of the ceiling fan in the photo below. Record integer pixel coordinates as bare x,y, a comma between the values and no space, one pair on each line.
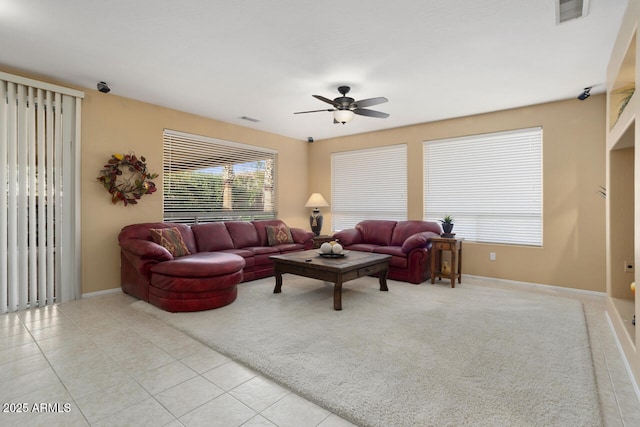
345,107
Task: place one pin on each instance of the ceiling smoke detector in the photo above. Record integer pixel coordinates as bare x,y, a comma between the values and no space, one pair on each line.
567,10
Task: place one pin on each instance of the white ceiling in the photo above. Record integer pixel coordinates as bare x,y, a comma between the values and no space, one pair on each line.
432,59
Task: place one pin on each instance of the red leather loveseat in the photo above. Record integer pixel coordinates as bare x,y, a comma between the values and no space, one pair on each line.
178,267
406,241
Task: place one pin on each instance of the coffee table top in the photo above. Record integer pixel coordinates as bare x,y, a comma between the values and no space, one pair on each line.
351,260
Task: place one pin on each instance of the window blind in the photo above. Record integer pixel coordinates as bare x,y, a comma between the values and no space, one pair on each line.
39,193
491,184
368,184
207,179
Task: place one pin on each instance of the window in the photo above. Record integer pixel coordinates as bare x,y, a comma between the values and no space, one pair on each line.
368,184
207,179
491,184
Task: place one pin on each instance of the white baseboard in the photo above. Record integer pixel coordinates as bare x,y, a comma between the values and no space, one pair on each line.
539,285
99,293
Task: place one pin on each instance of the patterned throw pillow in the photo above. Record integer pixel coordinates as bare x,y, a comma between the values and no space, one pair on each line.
171,239
278,235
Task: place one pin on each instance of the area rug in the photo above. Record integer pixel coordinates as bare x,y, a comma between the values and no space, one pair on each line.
425,355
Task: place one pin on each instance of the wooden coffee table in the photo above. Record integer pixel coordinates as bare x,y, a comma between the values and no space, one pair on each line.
337,270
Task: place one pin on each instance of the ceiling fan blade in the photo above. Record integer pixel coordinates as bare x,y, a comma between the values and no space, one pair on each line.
327,100
370,102
314,111
370,113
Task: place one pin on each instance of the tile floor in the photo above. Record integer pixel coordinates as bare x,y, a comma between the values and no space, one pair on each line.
99,362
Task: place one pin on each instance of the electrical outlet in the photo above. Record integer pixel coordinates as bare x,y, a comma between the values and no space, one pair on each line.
492,256
628,266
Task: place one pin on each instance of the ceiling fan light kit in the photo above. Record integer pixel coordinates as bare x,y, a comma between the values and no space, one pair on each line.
343,116
345,108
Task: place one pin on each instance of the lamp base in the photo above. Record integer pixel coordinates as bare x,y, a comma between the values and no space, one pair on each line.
315,221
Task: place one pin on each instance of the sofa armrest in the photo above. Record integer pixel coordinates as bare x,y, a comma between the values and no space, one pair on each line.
418,240
301,236
146,249
348,237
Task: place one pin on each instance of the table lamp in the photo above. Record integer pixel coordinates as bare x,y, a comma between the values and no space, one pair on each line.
316,201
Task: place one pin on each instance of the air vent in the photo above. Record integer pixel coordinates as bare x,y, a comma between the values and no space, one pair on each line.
250,119
567,10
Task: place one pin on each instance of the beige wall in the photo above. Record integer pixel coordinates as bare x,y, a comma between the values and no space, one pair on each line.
573,252
113,124
620,190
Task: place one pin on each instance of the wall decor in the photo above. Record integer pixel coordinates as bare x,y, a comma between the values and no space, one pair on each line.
126,178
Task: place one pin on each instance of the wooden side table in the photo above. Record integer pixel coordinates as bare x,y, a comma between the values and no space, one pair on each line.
454,246
319,240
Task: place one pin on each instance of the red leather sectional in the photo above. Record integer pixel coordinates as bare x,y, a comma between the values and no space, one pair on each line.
222,255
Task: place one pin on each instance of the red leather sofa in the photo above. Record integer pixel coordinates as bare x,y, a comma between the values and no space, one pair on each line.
219,256
408,243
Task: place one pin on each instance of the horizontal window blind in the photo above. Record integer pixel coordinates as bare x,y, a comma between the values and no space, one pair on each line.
368,184
207,179
491,184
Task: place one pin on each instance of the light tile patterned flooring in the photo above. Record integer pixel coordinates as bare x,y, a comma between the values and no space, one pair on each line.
99,362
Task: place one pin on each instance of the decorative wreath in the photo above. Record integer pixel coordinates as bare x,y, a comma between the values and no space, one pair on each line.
126,178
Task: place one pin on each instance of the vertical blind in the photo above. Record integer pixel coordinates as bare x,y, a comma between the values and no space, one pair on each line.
491,184
207,179
39,193
368,184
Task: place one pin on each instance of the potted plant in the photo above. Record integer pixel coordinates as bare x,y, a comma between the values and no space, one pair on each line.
447,225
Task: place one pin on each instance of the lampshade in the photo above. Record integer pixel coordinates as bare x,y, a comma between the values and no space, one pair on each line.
316,201
343,116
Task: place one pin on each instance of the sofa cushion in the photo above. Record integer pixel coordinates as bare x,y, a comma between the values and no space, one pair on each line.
264,259
405,229
262,250
377,232
212,237
362,247
244,234
398,257
203,264
290,247
171,240
278,235
390,250
248,256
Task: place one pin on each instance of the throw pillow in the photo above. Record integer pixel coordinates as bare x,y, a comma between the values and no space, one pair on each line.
278,234
171,239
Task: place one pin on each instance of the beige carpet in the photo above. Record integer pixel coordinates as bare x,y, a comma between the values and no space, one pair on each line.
414,356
